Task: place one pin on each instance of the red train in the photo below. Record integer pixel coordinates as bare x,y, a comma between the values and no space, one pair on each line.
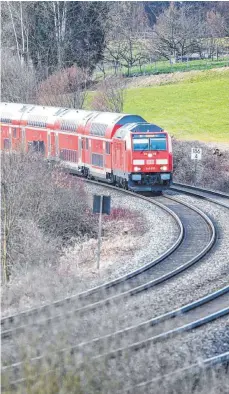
117,148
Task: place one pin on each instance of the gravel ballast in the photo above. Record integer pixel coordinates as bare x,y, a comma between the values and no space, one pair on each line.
204,277
161,232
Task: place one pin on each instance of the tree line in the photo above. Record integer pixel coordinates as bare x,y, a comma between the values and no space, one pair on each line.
40,39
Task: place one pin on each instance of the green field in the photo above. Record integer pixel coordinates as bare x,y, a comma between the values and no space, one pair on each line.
164,67
197,108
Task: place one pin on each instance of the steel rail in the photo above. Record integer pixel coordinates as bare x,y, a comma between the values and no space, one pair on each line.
201,189
166,335
6,321
170,314
179,312
32,312
135,290
16,368
220,359
202,193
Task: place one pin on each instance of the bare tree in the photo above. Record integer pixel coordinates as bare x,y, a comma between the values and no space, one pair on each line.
126,38
175,32
18,81
109,95
15,28
66,87
216,30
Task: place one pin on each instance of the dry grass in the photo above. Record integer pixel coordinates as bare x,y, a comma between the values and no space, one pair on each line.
36,284
49,233
82,373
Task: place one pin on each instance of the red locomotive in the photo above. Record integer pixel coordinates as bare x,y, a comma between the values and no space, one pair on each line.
120,149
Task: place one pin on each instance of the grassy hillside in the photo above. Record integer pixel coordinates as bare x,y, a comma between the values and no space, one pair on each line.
196,108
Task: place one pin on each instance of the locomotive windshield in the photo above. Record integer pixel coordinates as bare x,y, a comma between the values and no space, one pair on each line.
156,142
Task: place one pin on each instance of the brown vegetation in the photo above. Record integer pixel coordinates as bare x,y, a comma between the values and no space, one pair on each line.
49,234
109,95
39,215
64,88
212,172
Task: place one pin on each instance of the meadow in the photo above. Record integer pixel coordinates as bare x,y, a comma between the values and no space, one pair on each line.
194,108
165,67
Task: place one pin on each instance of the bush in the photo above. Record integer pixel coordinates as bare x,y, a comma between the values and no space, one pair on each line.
212,171
66,87
40,214
18,81
109,95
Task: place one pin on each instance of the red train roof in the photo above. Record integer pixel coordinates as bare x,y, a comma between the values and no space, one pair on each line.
102,124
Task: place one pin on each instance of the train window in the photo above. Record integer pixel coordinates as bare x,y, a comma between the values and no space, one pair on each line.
36,146
98,129
5,120
108,148
141,144
69,155
87,143
157,144
6,143
97,160
14,132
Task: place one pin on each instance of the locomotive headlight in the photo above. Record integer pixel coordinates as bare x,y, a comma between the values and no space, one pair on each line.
137,169
163,168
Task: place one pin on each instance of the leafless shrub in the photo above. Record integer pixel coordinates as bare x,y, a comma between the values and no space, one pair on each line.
109,95
211,172
36,209
66,88
18,80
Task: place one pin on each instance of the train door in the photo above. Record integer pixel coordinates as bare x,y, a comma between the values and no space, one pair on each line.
57,144
49,145
83,147
53,147
79,151
36,147
23,144
10,139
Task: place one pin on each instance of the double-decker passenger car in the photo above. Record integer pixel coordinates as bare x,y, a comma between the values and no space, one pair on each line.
121,149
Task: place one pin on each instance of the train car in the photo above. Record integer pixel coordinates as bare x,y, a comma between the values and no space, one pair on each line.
121,149
142,157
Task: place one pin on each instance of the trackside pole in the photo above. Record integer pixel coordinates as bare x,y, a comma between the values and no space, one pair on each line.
195,175
101,204
196,154
100,231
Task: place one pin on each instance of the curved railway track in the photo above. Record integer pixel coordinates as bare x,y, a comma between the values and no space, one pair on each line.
183,319
197,236
195,368
189,248
210,195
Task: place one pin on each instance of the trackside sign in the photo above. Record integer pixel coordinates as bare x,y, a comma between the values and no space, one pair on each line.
196,153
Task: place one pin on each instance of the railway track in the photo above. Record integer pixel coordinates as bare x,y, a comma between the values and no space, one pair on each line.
141,280
197,236
182,373
210,195
161,328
